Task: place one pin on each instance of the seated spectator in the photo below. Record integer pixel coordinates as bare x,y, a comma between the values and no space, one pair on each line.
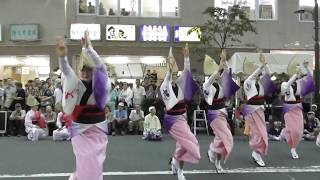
17,120
275,130
311,127
109,118
120,121
152,126
35,123
63,123
51,118
136,119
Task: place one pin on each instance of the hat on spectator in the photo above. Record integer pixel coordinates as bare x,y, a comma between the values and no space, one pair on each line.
314,106
151,107
32,101
121,104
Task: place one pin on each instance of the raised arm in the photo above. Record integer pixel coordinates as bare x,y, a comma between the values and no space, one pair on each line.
63,60
307,68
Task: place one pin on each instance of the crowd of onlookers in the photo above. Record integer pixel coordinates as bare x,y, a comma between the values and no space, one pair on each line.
124,111
131,109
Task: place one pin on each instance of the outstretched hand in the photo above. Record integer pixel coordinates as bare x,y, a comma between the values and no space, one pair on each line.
85,40
61,47
305,63
185,51
263,60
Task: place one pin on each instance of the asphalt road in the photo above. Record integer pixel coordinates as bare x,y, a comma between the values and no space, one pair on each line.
131,158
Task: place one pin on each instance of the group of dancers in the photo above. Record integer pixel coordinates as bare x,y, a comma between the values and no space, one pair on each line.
85,97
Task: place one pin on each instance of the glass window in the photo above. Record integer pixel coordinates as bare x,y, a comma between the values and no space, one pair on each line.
267,9
108,7
170,8
248,6
128,7
87,6
150,8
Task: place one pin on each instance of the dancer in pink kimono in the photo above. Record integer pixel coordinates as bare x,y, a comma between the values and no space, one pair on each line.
174,93
217,89
84,100
256,87
294,90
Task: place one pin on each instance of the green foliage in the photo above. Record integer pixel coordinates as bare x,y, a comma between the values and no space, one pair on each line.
224,28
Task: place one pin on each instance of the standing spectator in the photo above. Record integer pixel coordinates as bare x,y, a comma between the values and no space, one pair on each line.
10,93
57,95
146,83
63,123
109,118
113,98
20,96
136,119
1,94
153,84
126,95
150,94
51,118
314,108
152,126
154,76
120,121
148,75
46,96
17,120
35,123
139,93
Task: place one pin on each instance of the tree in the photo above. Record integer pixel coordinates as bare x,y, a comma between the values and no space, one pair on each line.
224,28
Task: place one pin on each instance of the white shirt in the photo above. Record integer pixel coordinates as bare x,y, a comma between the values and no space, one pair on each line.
126,95
28,121
152,123
138,94
58,95
134,116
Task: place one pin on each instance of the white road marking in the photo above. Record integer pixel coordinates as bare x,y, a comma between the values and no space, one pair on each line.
227,171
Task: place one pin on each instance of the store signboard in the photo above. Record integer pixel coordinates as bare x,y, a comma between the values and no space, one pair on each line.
181,34
116,32
77,31
25,32
155,33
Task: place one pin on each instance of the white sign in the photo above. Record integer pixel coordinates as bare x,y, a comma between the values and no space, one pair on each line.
155,33
25,70
120,32
0,32
77,31
181,34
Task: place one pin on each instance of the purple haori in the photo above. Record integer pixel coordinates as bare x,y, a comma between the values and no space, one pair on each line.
188,85
169,120
213,114
228,85
248,109
100,90
288,107
307,85
268,85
